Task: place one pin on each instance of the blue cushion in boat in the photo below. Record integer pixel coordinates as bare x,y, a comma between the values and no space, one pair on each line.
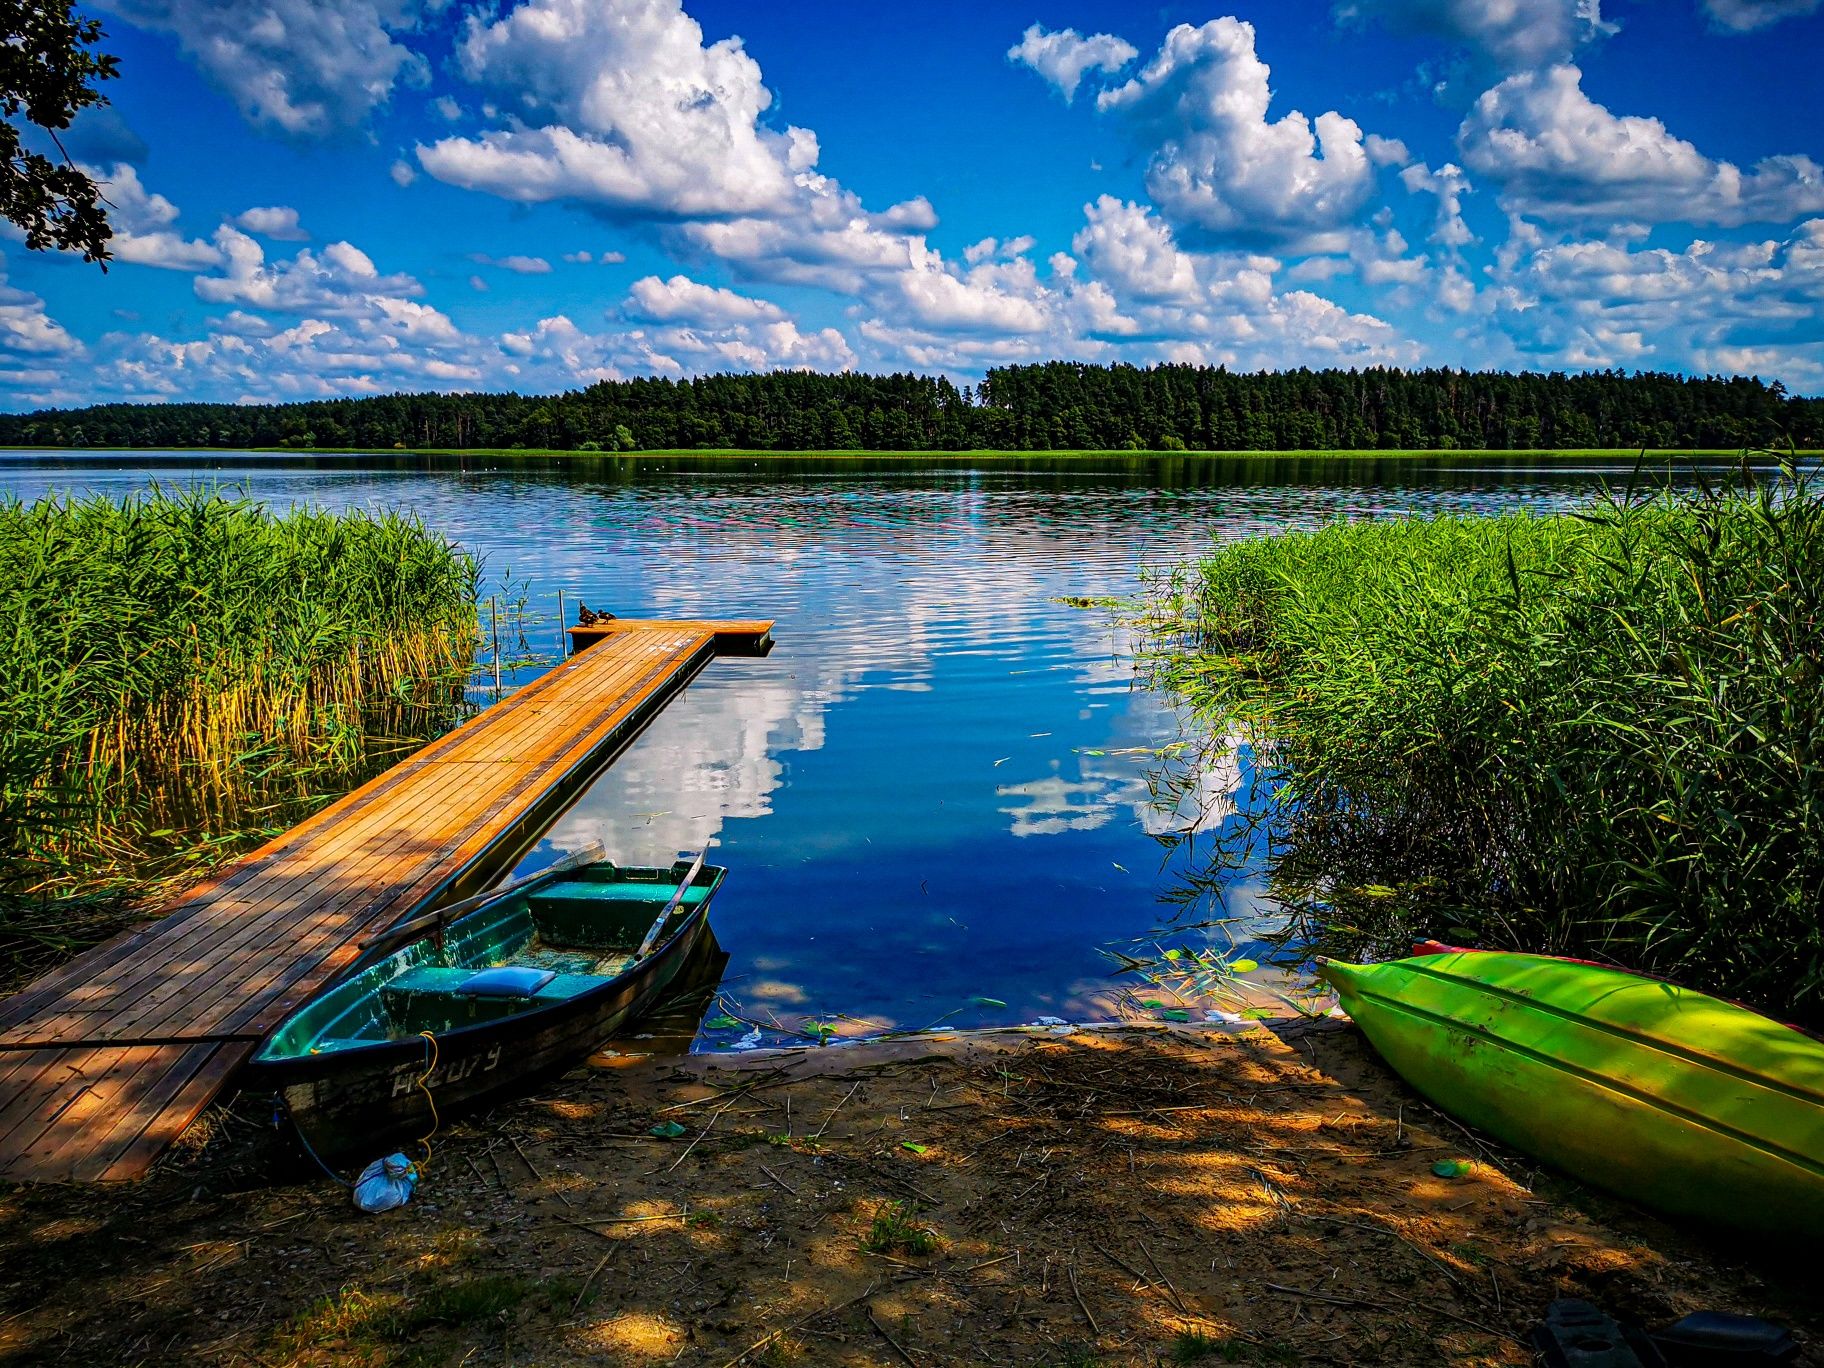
509,980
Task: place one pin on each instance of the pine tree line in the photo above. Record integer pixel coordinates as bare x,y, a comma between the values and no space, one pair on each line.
1050,407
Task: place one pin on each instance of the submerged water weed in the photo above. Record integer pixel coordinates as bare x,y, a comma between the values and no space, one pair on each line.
1596,733
183,665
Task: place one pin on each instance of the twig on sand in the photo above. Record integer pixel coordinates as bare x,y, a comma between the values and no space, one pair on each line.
1177,1300
525,1158
833,1110
620,1220
1071,1269
589,1281
1145,1280
898,1348
777,1179
990,1263
705,1131
799,1324
1377,1306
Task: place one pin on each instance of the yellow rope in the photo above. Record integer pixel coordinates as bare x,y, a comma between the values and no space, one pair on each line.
430,1053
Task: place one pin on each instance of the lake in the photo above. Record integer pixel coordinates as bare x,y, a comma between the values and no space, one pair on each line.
935,796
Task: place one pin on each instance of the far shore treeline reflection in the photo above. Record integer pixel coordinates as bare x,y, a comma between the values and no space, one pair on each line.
1057,406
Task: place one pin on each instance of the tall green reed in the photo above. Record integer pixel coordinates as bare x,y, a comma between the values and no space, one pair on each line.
1596,733
181,664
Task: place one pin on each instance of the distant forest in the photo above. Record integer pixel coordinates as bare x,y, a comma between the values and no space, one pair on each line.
1050,407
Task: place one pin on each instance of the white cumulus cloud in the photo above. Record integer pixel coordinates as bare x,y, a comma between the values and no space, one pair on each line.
1739,16
144,224
517,263
1128,248
301,67
1065,56
617,107
682,299
278,222
1515,34
1218,163
341,279
1557,154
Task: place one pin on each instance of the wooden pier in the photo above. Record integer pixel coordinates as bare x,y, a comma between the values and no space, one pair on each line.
105,1061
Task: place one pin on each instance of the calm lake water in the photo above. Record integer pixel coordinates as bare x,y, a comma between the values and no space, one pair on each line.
934,796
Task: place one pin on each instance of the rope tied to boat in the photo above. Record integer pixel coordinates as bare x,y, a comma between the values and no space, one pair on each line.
431,1051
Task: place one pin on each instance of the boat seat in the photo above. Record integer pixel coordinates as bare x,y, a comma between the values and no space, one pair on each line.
429,997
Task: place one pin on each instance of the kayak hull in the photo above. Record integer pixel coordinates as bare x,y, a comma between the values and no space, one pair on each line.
1694,1107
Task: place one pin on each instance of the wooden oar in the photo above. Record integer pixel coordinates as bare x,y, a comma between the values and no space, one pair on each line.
652,936
437,920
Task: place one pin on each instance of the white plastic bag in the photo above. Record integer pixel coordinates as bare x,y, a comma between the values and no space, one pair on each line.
386,1183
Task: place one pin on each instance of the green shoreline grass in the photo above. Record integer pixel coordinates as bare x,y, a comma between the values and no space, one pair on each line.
1598,734
735,453
186,670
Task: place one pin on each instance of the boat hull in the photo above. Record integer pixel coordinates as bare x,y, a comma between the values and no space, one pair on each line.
354,1100
1694,1107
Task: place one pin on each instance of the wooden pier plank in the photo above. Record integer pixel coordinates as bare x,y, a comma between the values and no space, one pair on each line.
105,1061
431,805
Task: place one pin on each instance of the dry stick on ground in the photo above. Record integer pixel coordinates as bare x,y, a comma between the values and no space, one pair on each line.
589,1281
898,1348
1377,1306
620,1220
1141,1280
770,1079
777,1179
799,1324
1376,1229
1177,1300
1071,1269
707,1125
990,1263
833,1110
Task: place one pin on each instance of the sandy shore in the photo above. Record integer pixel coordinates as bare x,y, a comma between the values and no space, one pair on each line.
1124,1196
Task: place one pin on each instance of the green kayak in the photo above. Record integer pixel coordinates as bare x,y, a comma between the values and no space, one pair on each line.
1682,1102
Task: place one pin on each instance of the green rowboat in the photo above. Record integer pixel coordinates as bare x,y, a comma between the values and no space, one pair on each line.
453,1009
1687,1104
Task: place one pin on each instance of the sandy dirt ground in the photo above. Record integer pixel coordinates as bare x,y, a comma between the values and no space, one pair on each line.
1123,1196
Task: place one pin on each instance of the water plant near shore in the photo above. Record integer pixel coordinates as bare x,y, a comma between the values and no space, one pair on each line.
1598,733
182,665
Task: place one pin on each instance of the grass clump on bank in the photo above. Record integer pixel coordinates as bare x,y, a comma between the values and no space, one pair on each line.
1598,733
181,666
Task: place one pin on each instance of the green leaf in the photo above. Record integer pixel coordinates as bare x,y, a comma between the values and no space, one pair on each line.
1174,954
1175,1014
1452,1168
914,1146
667,1130
989,1002
721,1023
1244,966
1151,1002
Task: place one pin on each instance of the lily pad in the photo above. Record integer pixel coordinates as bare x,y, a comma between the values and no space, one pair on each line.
721,1023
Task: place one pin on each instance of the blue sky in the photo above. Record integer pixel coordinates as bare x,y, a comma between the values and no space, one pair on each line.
328,197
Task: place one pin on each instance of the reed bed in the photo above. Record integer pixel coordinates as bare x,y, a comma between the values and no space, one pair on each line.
1599,733
180,666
